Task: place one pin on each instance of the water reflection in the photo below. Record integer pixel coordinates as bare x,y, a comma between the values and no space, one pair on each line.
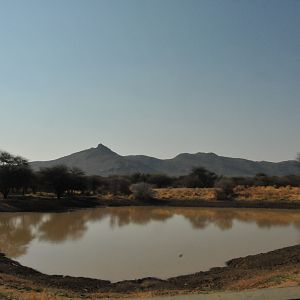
18,230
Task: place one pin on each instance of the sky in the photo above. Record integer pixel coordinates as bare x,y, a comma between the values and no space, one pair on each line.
153,77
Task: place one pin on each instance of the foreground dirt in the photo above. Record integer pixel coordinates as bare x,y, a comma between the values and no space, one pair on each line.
273,269
253,294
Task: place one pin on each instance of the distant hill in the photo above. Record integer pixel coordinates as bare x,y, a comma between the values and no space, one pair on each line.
103,161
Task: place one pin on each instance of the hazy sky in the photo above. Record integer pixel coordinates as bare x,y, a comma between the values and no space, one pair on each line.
154,77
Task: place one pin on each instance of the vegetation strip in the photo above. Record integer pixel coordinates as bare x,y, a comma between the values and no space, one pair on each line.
17,177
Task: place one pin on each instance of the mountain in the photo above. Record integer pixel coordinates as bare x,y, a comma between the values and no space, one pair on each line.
103,161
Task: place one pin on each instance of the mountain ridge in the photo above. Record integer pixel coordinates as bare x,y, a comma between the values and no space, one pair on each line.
103,161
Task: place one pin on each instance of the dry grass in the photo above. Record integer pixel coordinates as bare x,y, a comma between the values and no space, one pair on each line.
110,196
186,193
12,293
242,193
268,193
283,278
12,287
258,193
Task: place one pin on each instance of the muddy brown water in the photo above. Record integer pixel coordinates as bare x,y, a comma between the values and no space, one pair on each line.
134,242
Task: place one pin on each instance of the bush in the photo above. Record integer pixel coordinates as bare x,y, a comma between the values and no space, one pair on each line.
225,188
142,191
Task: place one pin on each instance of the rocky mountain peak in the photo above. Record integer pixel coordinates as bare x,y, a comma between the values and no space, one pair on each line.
105,150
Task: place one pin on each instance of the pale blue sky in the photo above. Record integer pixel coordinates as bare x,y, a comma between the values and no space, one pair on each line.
154,77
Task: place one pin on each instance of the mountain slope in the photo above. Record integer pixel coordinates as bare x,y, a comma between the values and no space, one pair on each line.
103,161
97,161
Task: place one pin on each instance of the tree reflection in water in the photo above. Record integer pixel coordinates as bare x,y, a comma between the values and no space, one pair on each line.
17,230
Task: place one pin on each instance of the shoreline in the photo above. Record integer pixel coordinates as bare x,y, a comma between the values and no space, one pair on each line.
272,269
43,204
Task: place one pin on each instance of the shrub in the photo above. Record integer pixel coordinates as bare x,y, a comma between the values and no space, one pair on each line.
142,191
225,188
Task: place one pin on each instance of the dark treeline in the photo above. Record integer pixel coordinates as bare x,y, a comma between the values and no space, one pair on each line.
16,176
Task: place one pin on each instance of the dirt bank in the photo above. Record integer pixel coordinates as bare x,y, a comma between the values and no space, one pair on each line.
43,204
277,268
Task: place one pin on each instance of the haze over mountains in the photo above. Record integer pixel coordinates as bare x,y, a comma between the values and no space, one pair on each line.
103,161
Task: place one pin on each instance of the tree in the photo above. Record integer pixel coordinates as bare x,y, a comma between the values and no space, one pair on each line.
261,179
57,179
24,178
160,180
14,172
139,177
200,177
96,184
78,181
118,185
